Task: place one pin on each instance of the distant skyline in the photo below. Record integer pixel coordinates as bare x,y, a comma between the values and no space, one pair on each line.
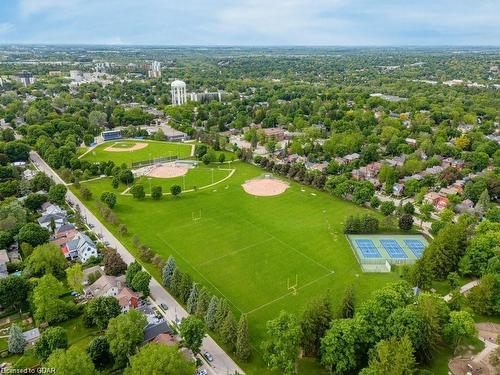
251,22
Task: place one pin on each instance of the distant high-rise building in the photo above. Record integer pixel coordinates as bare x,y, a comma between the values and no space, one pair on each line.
26,78
155,71
178,91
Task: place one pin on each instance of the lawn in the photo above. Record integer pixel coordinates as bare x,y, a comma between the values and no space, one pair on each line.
154,149
250,249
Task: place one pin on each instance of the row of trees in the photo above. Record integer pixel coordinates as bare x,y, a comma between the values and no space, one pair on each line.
214,312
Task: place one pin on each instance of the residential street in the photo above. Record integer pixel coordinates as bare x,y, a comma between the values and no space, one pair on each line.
222,363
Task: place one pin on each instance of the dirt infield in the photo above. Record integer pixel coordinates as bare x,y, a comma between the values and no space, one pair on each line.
265,187
167,171
135,147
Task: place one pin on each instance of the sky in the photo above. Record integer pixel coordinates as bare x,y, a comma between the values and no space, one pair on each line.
251,22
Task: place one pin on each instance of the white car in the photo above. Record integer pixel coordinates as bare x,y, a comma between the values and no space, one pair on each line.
202,372
208,356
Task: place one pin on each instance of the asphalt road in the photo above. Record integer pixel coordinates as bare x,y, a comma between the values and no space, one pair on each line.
222,363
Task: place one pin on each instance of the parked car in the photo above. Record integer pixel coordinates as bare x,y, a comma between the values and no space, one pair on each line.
164,306
202,372
208,356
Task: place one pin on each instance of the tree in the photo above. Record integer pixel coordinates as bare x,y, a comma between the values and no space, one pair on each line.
99,311
387,208
460,327
409,208
374,202
45,298
17,342
108,198
175,190
72,361
140,282
315,321
138,191
98,351
210,317
281,348
175,283
33,234
113,263
74,277
97,119
86,193
46,259
229,330
346,309
192,330
115,182
13,291
122,228
393,357
221,313
132,269
51,339
340,349
405,222
484,298
192,299
444,253
34,201
168,271
57,194
242,344
159,360
156,192
124,334
480,249
202,302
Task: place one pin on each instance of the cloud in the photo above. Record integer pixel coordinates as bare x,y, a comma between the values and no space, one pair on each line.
5,27
252,22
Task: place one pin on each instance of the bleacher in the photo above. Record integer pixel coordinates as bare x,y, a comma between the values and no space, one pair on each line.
111,135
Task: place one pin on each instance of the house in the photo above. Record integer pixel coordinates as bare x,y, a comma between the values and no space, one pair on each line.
31,336
397,189
4,259
431,197
277,133
64,234
448,191
441,203
467,206
81,247
28,174
412,142
50,208
165,339
351,157
105,286
46,221
127,299
152,331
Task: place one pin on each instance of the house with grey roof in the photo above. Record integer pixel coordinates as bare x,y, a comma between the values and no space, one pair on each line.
81,247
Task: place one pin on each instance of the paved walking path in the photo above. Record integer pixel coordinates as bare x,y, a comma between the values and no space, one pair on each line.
463,289
222,364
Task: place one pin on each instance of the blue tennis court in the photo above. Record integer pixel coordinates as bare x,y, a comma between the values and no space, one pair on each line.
393,249
416,247
368,249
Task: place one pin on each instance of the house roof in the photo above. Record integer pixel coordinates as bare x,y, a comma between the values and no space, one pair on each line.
165,339
32,334
104,283
153,330
127,296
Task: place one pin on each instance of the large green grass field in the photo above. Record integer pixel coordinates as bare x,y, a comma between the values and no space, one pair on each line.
250,249
154,149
